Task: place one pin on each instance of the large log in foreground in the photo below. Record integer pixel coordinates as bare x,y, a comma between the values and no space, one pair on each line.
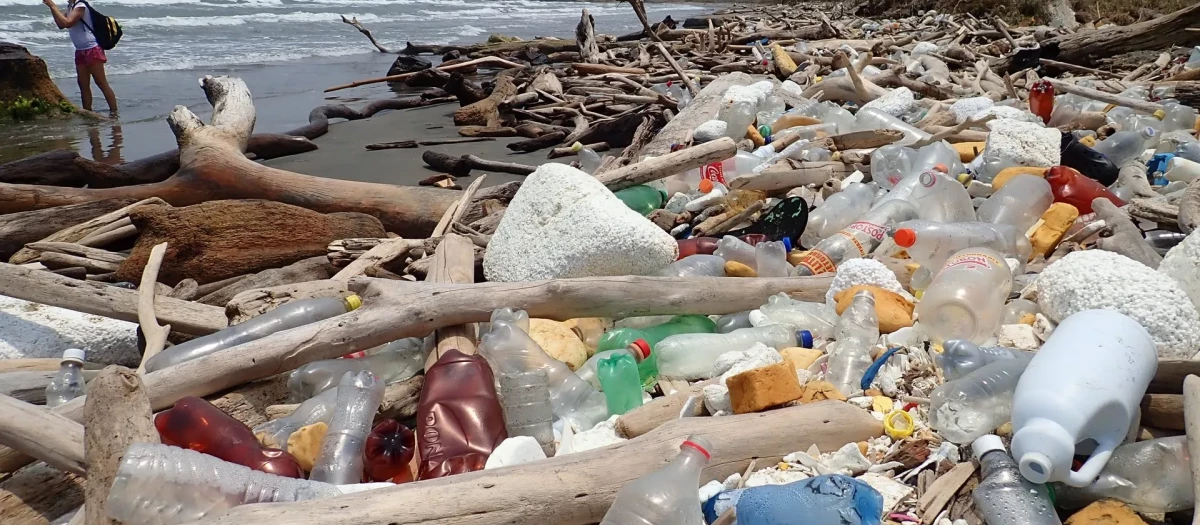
577,489
213,167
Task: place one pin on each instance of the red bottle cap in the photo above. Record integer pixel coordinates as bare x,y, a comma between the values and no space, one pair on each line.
642,348
696,446
905,237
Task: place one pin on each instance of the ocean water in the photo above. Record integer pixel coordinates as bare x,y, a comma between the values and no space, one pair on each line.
288,51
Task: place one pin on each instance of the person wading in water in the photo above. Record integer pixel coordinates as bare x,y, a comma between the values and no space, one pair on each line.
89,56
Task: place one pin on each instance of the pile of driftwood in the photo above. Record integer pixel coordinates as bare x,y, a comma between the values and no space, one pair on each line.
199,231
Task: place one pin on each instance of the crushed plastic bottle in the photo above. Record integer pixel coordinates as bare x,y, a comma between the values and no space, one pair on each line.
966,298
857,331
164,485
286,317
618,374
68,383
771,259
1059,404
459,418
1153,476
691,356
698,265
1003,496
197,425
856,240
527,409
890,164
341,459
1124,146
941,198
394,362
389,449
639,350
667,496
837,212
827,499
1021,203
733,249
977,403
318,409
818,319
960,357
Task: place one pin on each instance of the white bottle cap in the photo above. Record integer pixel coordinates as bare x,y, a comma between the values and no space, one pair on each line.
986,443
73,354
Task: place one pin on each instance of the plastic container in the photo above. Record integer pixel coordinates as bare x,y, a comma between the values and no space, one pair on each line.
1124,146
1071,187
68,383
1153,476
966,298
527,411
318,409
198,425
459,419
667,496
890,164
1177,116
1041,100
639,351
621,340
1164,240
940,157
286,317
164,485
856,240
735,321
837,212
695,266
1003,496
872,118
341,459
820,500
642,198
509,349
1020,203
1059,403
931,244
818,319
733,249
389,449
771,259
960,357
394,362
618,373
941,198
857,331
697,245
977,403
692,356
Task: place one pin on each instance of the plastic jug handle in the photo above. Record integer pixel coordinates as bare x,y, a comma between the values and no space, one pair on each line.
1092,467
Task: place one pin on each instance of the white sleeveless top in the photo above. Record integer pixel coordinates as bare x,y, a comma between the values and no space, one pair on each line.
80,35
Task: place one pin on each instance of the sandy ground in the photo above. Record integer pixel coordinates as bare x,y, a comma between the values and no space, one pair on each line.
343,154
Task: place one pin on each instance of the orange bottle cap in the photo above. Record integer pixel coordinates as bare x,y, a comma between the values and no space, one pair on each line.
905,237
705,185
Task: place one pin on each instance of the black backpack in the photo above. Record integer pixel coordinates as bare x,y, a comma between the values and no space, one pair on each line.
105,28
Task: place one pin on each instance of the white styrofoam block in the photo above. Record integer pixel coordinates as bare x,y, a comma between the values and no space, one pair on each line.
514,451
1020,336
565,223
964,108
1025,143
709,131
895,102
1009,113
35,330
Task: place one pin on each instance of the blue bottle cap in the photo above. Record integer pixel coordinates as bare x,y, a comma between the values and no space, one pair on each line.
805,338
787,243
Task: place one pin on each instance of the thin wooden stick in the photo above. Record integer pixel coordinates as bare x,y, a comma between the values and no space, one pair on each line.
403,76
156,335
456,212
662,50
1111,98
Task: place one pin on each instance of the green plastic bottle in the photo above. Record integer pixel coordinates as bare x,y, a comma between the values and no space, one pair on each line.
641,198
622,386
680,324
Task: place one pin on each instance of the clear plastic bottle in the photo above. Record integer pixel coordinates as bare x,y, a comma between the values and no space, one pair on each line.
1016,310
525,397
639,350
939,156
856,240
692,356
941,198
318,409
872,118
698,265
68,383
1189,151
667,496
509,349
818,319
771,259
977,403
1153,476
1124,146
1021,202
738,110
618,374
966,298
1178,117
890,164
164,485
837,212
589,160
1164,240
735,321
341,458
396,361
1003,496
286,317
931,244
828,111
733,249
960,357
857,331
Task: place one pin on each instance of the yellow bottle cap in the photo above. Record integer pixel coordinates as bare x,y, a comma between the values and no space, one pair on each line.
576,147
898,424
818,79
353,302
1159,114
964,178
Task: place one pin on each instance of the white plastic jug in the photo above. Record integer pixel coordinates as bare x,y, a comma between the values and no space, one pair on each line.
1084,384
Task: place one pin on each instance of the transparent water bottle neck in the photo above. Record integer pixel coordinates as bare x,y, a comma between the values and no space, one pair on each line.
690,461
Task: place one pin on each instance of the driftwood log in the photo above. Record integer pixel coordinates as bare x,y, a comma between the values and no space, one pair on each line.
38,495
702,108
311,269
117,415
453,262
42,434
19,229
586,482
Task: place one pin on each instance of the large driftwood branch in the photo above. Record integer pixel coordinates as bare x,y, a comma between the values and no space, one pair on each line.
19,229
38,495
155,334
535,492
702,108
118,415
669,164
353,21
585,36
42,434
453,262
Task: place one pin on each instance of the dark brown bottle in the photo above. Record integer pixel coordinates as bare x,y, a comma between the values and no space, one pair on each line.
390,447
198,425
459,419
697,245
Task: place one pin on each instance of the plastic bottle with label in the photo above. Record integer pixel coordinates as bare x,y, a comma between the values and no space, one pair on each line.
960,357
818,319
394,362
459,419
286,317
837,212
1152,476
857,331
318,409
389,449
618,374
691,356
1021,203
1059,404
977,403
196,424
527,409
341,459
890,164
667,496
68,383
941,198
1003,496
1071,187
966,298
931,243
856,240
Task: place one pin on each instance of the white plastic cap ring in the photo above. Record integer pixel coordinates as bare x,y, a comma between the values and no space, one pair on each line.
985,444
73,354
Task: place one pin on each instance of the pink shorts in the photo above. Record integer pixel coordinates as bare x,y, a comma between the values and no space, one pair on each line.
90,56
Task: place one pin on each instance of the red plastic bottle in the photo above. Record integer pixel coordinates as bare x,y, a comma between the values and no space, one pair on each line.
1074,188
695,245
390,448
198,425
459,418
1041,99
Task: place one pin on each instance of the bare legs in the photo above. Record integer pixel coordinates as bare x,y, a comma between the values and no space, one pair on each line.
85,74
